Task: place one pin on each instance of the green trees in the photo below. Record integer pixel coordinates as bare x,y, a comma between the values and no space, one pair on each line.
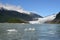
6,19
15,20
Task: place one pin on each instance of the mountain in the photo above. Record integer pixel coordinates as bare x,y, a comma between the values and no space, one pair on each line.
44,20
50,18
57,19
10,16
13,14
35,16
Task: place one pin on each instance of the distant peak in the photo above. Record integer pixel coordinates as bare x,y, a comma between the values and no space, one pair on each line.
14,8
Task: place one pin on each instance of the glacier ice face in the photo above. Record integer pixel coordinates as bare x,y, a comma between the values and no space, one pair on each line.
43,20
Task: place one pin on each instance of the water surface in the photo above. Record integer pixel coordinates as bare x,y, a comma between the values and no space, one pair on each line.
16,31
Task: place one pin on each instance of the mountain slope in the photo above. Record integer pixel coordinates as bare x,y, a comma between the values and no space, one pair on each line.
44,20
35,16
8,15
57,19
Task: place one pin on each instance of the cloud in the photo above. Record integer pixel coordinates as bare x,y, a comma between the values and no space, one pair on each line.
13,7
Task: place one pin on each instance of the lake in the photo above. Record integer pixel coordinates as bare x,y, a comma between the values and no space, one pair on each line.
16,31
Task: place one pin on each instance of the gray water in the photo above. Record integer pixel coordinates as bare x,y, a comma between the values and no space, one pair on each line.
29,31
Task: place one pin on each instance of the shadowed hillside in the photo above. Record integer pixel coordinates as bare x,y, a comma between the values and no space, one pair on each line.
16,17
56,20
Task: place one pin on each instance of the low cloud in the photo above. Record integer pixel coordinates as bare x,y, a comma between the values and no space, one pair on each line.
13,7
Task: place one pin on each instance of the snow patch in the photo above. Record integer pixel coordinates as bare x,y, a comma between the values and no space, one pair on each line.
42,20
